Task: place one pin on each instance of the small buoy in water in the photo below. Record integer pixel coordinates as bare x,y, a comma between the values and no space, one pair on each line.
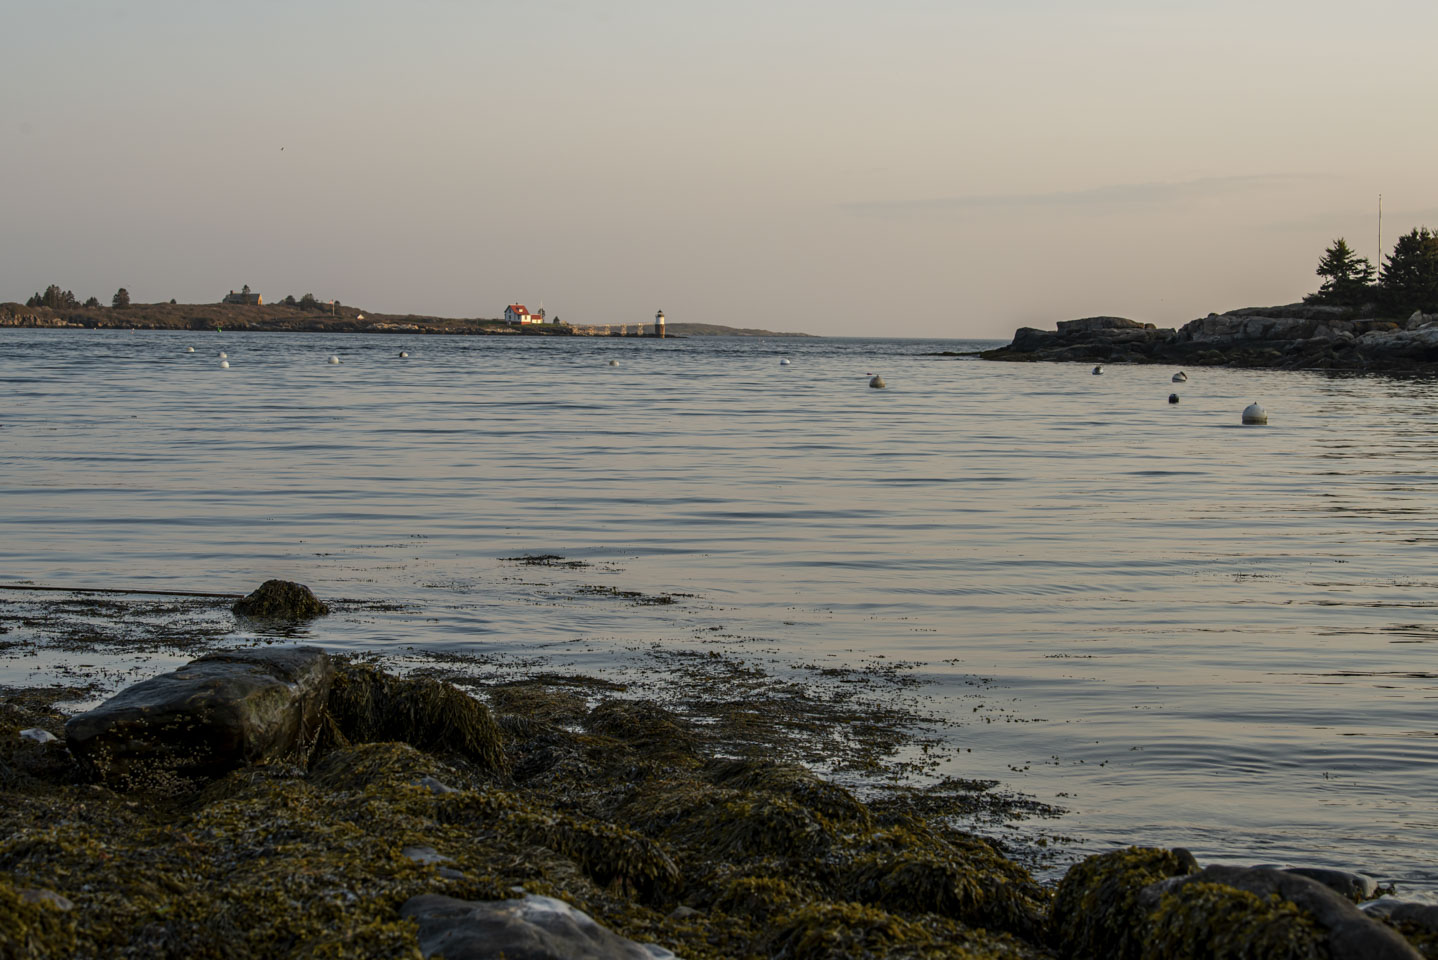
334,359
402,354
224,364
877,383
614,363
224,355
1098,370
1253,413
784,362
189,349
1173,398
1180,377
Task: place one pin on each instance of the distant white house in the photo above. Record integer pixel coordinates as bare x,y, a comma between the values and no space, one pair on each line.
519,313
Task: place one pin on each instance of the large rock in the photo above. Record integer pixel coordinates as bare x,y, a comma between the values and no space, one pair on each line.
531,928
281,600
1345,930
210,716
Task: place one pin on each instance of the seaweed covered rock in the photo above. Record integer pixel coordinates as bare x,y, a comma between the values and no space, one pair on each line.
1418,922
1153,903
216,713
646,728
34,924
1096,911
851,931
792,781
367,705
1224,912
281,600
531,928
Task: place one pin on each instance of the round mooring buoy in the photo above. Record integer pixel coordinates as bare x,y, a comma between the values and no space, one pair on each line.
224,355
1173,398
1254,414
224,364
784,362
1098,370
402,354
334,359
189,349
614,363
1180,377
877,383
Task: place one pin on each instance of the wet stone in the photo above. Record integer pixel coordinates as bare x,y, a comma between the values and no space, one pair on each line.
532,928
1354,886
214,714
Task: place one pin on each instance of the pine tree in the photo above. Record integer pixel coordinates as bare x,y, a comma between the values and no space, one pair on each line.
1348,278
1410,277
121,299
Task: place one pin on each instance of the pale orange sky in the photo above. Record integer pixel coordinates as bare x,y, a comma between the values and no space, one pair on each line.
924,169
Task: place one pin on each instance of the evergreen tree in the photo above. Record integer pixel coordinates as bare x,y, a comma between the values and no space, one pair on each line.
1410,277
121,299
93,302
54,298
1348,278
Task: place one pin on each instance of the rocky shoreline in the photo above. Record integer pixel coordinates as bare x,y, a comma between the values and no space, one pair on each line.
279,801
1297,336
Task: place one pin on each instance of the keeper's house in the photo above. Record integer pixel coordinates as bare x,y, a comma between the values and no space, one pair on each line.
519,313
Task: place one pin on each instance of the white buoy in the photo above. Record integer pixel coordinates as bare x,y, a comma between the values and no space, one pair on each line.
1173,398
334,359
1180,377
1254,414
189,349
1098,370
784,362
224,355
877,383
224,364
402,354
614,363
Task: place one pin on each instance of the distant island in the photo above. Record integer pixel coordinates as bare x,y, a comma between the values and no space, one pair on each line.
246,312
1355,321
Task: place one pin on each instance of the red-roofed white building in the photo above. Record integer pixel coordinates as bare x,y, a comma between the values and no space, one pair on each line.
519,313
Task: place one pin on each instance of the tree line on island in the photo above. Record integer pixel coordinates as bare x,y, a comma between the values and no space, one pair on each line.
57,299
1407,283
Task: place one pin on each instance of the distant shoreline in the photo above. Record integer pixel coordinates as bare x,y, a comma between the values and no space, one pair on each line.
284,318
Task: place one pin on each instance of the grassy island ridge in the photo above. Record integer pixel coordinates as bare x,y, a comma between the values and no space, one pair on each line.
314,316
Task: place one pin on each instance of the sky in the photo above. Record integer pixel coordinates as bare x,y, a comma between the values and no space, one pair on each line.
912,168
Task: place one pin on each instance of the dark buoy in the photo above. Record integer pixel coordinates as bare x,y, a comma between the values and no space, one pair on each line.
1173,398
1098,370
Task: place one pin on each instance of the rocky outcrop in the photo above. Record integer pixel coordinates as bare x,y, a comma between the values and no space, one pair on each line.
1140,903
281,600
212,715
530,928
1294,336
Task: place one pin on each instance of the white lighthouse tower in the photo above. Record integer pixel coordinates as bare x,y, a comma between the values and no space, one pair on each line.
659,324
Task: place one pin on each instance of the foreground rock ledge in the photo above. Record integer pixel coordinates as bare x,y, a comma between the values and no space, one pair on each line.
222,711
344,849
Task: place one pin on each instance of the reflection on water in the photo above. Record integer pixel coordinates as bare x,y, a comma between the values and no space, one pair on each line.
1184,631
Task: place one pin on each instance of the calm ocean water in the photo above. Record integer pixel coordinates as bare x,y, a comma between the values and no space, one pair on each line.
1183,631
